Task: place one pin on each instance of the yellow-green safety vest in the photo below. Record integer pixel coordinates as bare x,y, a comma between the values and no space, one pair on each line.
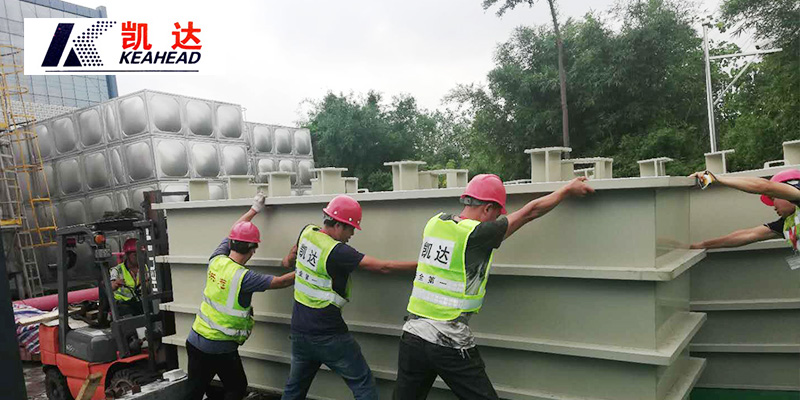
440,283
126,291
313,285
221,317
790,225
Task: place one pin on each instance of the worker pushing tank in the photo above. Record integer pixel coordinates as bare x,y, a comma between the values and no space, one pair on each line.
781,192
319,335
450,285
126,281
225,319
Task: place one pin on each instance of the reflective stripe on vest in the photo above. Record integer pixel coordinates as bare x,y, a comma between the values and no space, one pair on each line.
332,297
225,330
447,301
313,285
440,283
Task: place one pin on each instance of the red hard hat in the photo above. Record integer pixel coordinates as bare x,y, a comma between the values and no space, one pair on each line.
129,246
783,176
245,231
487,187
346,210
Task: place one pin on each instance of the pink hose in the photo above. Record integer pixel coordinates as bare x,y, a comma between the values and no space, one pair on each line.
47,303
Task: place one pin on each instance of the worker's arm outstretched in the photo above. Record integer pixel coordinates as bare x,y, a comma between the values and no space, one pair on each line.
386,266
738,238
282,281
541,206
756,186
257,207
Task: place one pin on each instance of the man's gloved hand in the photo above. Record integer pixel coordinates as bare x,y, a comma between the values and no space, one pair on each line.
258,203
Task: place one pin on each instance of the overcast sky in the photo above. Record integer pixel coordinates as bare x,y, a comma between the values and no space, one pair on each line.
280,53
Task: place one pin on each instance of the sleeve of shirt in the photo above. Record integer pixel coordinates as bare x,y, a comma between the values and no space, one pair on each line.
224,249
776,226
114,273
345,258
489,234
256,282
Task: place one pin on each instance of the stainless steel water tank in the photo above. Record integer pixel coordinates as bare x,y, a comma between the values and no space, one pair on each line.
234,159
287,165
302,141
90,127
304,173
165,113
261,137
172,159
73,212
98,204
69,175
198,114
112,126
47,147
132,116
64,134
96,170
283,141
140,163
229,120
117,165
204,159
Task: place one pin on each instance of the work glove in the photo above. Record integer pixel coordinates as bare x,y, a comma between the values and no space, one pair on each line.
258,203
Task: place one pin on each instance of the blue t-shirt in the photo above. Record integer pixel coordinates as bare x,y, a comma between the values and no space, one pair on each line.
251,282
342,261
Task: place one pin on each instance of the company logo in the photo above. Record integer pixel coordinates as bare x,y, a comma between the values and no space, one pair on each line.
103,46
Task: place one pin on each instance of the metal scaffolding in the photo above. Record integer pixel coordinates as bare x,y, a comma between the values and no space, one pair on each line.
26,210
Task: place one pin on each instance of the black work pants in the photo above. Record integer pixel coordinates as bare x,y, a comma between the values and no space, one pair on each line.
420,362
203,367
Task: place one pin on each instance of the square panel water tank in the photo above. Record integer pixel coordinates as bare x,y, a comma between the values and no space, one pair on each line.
304,173
283,141
165,113
99,204
96,170
47,147
132,115
302,142
140,163
205,159
65,135
49,181
217,190
117,165
111,123
72,212
172,187
172,159
261,138
229,122
234,159
287,165
121,197
199,118
90,127
69,176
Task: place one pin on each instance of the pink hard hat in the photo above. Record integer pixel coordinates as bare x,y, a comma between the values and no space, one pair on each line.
487,187
783,177
345,209
129,246
245,231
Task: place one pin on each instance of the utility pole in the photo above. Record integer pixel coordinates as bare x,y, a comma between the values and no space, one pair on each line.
710,102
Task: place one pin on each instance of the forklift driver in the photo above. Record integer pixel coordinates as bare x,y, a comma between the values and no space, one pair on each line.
126,281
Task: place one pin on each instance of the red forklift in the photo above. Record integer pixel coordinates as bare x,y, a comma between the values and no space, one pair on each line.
128,350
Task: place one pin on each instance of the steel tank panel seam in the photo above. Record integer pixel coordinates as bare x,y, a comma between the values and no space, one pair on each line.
751,304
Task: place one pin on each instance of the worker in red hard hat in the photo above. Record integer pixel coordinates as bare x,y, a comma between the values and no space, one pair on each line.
782,193
225,319
319,335
450,284
126,281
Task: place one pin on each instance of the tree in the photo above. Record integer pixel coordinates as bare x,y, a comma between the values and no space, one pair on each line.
562,74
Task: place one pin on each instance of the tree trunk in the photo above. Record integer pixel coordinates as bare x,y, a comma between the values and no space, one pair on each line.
562,74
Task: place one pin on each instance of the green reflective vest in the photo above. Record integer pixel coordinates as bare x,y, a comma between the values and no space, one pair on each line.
313,286
790,225
126,292
221,317
440,283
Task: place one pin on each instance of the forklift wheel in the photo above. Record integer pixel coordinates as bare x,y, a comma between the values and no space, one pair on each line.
56,385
